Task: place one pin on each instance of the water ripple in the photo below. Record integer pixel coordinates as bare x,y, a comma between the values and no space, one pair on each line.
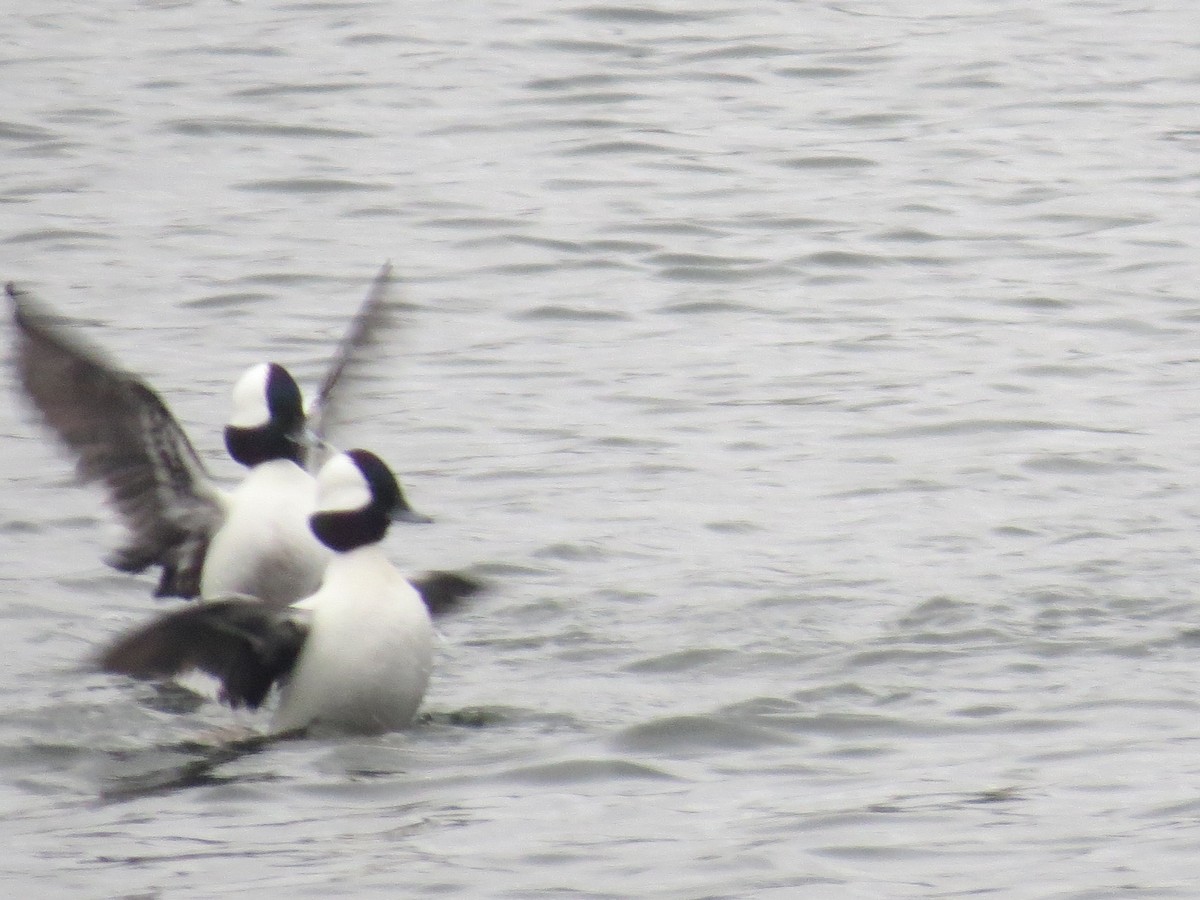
217,126
575,771
817,387
310,186
685,736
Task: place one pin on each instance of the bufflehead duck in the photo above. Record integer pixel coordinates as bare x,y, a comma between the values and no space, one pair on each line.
254,540
353,657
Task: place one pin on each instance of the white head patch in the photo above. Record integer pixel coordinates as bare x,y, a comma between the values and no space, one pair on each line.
250,398
341,486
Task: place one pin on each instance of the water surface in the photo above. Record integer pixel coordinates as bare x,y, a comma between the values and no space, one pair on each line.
814,383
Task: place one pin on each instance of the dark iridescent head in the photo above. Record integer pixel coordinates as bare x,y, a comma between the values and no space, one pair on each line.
357,498
267,422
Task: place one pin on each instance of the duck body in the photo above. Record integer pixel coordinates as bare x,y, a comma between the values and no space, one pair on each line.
264,547
366,662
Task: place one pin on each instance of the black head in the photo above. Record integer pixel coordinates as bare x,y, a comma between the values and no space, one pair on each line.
267,422
357,498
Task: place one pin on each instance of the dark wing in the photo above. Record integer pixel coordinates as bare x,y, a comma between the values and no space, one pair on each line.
443,592
370,319
242,642
122,435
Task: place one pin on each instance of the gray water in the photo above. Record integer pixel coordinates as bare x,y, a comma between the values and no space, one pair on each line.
814,384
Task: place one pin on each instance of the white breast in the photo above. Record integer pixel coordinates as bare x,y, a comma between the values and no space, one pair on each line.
369,652
265,547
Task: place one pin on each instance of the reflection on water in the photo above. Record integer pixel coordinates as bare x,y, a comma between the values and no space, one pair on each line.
197,768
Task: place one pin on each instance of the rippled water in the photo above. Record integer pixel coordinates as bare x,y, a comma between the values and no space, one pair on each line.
815,384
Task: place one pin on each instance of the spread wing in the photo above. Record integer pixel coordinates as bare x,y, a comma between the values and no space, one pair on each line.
443,592
123,436
242,642
372,317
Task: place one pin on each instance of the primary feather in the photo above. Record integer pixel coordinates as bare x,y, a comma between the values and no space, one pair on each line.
123,436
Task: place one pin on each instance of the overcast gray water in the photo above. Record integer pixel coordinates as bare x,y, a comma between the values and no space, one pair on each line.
814,383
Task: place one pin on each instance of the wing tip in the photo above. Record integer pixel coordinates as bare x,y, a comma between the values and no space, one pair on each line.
444,592
23,304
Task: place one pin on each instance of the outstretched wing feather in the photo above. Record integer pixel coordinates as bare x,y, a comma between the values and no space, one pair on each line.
123,436
241,642
371,318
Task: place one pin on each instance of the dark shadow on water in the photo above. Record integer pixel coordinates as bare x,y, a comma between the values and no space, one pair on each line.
199,771
172,697
996,796
469,717
202,759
